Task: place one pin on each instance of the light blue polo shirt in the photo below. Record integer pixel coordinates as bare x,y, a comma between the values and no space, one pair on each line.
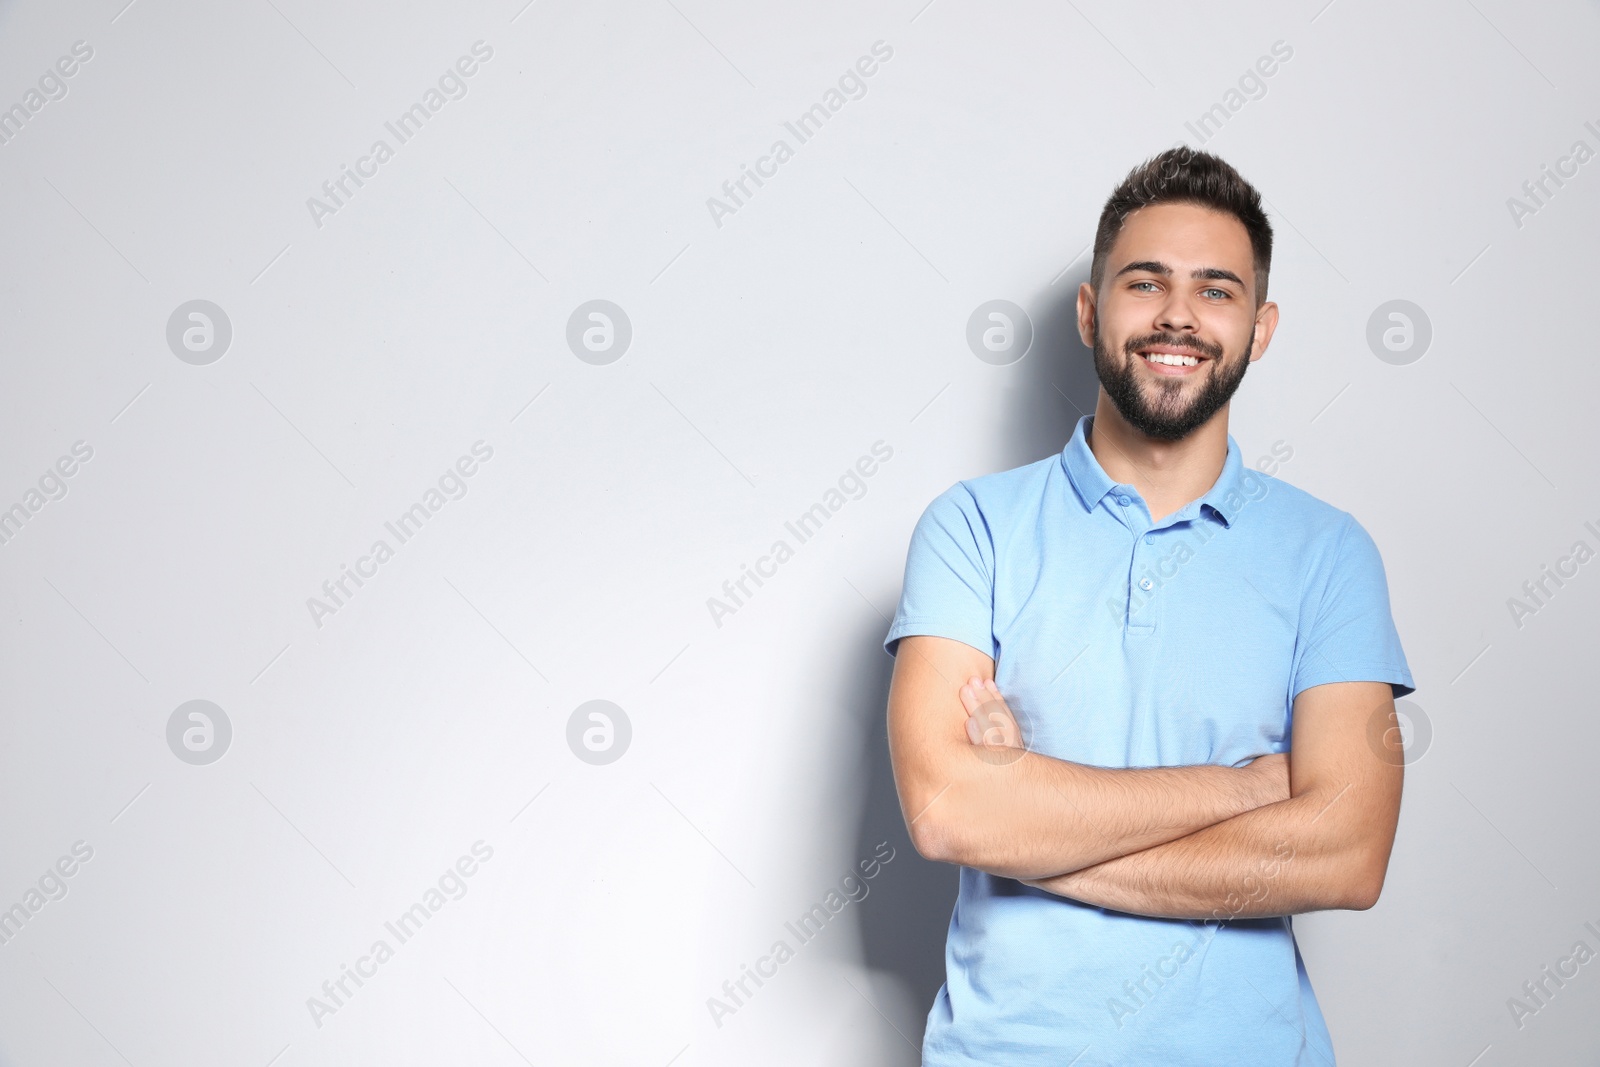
1119,642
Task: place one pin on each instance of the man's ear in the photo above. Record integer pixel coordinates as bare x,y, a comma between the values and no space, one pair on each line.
1266,325
1086,315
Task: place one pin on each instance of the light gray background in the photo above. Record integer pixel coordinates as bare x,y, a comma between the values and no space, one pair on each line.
768,354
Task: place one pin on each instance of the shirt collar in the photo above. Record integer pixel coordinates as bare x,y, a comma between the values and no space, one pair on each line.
1091,482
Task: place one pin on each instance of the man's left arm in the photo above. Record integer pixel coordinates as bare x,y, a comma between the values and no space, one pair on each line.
1327,846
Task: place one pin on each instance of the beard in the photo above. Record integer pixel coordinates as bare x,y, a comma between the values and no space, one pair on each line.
1166,415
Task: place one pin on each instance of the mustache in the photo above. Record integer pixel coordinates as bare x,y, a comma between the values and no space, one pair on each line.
1209,349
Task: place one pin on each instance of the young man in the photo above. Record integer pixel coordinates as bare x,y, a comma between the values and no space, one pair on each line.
1143,694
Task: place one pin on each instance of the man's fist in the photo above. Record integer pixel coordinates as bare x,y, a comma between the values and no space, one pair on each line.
991,727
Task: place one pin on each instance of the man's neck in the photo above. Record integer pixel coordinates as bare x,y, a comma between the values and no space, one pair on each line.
1167,474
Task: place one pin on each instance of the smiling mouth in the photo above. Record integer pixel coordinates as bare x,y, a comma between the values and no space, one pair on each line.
1170,356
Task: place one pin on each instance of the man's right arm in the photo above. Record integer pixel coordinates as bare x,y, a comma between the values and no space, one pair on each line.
1023,815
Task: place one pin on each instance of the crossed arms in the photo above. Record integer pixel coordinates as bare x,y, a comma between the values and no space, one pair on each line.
1280,836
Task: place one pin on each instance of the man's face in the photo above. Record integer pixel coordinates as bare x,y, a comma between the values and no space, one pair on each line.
1174,325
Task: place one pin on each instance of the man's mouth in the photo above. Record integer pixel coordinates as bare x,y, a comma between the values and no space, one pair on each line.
1171,356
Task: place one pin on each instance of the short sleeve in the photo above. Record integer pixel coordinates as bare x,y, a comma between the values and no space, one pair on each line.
949,580
1352,637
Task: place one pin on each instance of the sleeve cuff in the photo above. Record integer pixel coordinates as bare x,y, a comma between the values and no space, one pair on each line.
978,637
1398,677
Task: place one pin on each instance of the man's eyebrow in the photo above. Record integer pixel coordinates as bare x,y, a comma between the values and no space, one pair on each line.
1149,266
1155,266
1217,274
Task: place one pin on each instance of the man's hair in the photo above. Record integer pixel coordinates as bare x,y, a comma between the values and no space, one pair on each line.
1184,176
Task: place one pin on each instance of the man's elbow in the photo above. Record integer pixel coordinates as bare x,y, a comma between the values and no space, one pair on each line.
1363,883
930,840
943,838
973,843
1362,896
942,833
938,812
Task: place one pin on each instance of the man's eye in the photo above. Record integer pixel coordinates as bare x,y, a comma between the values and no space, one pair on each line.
1152,285
1219,294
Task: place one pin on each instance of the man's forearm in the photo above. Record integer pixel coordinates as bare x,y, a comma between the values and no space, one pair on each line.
1035,816
1297,855
973,794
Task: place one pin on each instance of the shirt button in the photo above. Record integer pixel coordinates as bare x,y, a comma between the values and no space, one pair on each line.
1149,540
1144,583
1122,500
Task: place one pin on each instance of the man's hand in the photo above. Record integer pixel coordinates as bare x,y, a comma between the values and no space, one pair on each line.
990,723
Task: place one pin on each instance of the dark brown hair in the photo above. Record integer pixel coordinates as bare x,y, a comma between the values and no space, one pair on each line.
1182,175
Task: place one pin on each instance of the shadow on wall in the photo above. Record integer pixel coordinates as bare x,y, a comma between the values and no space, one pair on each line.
905,918
1054,384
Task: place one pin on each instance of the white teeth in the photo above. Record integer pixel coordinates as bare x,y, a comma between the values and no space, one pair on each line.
1172,360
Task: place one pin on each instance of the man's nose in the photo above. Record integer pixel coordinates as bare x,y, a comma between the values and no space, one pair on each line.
1177,316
